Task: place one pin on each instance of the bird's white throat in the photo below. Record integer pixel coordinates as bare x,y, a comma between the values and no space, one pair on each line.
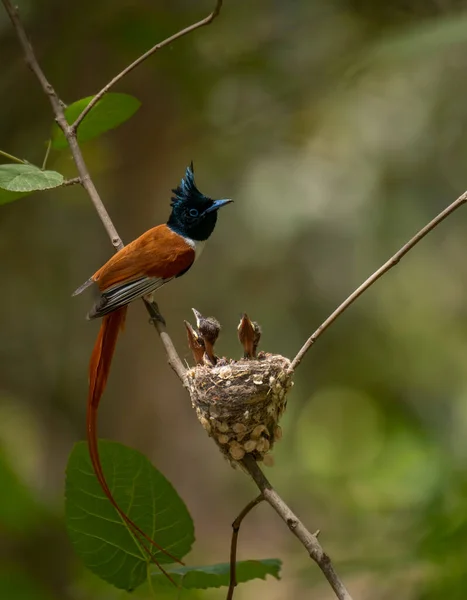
198,247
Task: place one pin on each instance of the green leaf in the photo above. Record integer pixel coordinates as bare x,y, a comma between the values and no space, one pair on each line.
111,111
28,178
214,576
98,533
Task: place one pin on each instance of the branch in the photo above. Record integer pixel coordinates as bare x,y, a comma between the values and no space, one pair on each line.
309,540
233,545
206,21
392,262
172,356
73,181
57,107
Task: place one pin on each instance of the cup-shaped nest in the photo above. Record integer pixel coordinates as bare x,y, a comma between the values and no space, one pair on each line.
239,403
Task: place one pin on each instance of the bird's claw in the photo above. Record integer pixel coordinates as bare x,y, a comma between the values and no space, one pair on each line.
156,316
157,319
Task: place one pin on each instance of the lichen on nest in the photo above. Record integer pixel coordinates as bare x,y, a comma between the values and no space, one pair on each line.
239,403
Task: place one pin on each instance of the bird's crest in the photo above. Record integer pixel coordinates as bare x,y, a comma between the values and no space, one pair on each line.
187,189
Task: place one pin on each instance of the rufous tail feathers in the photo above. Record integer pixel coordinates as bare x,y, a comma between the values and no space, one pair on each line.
99,369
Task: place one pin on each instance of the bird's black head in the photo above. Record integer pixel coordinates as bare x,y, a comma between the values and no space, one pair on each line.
193,214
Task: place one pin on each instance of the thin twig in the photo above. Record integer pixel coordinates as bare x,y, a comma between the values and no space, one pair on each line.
74,181
392,262
47,152
57,107
206,21
12,158
309,541
233,545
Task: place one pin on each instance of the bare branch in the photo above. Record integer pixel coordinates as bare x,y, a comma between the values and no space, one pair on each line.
73,181
57,107
206,21
233,545
392,262
309,541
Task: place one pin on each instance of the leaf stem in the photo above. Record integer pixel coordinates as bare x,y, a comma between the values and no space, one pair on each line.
47,152
13,158
149,578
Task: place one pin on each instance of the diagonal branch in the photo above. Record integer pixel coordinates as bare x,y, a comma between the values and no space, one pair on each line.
172,356
206,21
57,107
308,540
392,262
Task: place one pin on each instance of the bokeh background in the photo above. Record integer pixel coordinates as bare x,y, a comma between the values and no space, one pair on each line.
339,128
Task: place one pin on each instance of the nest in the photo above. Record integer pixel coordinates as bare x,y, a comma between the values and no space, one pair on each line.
239,403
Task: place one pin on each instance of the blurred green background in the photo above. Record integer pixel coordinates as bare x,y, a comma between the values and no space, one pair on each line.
339,128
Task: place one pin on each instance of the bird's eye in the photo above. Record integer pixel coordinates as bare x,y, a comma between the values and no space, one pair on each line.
193,212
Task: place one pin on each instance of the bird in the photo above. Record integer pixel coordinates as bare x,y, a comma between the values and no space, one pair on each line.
209,329
196,343
158,256
249,334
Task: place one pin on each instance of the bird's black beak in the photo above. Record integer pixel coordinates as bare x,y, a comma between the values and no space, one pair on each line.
218,204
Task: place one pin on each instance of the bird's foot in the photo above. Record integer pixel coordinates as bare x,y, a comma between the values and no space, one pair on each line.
156,316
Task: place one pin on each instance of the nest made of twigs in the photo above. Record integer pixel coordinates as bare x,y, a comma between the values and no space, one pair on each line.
239,403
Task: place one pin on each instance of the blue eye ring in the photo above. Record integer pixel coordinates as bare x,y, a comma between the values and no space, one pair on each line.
193,212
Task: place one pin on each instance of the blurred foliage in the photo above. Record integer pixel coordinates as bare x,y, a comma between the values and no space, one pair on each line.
19,586
339,129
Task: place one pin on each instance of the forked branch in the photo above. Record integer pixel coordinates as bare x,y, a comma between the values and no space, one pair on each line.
308,540
234,542
57,107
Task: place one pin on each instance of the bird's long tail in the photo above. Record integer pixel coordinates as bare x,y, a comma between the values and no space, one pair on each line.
99,369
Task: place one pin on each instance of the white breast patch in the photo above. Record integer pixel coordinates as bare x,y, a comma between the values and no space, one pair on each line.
198,247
